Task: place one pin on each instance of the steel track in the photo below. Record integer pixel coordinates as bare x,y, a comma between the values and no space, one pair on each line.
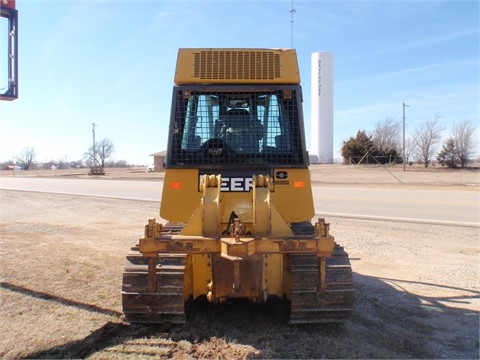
308,304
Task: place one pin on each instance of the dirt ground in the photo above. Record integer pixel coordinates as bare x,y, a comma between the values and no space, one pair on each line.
61,262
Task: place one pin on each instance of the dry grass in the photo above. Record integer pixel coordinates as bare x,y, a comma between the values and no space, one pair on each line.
62,259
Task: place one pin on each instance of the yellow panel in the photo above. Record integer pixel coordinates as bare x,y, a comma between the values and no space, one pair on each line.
261,203
180,195
273,275
280,228
237,66
293,196
202,274
194,226
210,214
240,203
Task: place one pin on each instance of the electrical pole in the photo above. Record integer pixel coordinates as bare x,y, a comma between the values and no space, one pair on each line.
94,153
94,169
404,105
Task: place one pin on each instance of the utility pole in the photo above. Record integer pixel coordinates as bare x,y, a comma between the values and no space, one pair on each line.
404,105
292,11
94,169
94,152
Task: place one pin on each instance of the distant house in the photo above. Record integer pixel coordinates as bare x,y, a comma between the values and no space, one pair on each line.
159,160
12,167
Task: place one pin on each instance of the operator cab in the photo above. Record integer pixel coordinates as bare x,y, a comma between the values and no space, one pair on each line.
236,126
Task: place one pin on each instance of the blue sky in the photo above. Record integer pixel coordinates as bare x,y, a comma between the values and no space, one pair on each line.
112,62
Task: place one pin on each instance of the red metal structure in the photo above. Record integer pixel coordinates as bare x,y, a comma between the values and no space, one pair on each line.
8,11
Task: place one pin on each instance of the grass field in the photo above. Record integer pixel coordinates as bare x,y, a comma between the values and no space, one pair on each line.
62,256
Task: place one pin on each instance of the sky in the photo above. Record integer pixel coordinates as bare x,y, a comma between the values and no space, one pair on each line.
111,63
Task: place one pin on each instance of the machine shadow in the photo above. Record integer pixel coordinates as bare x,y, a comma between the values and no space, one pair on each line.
66,302
387,320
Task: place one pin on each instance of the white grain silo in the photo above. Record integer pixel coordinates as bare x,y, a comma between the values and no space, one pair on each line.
322,107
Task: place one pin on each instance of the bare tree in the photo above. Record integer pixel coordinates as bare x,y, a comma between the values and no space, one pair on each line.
426,137
410,147
103,150
26,158
386,136
88,157
465,141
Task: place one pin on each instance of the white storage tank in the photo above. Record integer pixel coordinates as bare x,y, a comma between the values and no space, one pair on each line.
322,107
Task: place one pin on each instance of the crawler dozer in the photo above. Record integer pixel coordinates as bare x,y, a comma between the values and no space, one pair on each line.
237,202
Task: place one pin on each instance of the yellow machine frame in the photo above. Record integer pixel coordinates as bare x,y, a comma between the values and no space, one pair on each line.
265,233
238,226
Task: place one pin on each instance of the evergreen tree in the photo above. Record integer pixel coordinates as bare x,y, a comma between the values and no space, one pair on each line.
448,155
356,149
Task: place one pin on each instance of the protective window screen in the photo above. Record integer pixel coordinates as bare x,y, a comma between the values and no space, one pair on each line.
236,128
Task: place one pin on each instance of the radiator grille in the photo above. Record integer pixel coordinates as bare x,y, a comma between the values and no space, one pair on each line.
236,65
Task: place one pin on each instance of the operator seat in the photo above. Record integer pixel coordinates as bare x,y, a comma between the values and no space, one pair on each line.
240,132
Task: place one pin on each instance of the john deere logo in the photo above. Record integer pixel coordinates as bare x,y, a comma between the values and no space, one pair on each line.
234,183
282,175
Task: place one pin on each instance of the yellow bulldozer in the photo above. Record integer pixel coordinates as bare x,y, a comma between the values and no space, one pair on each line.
237,202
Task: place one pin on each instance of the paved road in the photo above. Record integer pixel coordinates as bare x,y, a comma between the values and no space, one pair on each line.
425,205
406,204
134,190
